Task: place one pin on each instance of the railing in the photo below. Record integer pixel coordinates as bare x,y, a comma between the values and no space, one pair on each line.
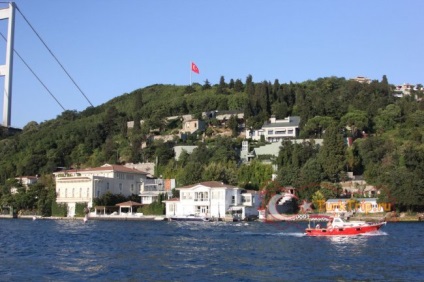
201,199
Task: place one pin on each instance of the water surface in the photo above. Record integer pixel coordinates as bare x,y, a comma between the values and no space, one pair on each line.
71,250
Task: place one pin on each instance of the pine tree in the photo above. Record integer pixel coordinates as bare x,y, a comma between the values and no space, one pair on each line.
332,154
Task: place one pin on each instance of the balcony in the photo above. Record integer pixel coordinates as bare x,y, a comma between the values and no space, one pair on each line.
201,199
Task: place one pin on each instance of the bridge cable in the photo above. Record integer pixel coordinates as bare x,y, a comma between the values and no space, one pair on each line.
34,74
45,45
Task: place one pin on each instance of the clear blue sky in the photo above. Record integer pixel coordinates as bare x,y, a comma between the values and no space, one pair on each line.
112,47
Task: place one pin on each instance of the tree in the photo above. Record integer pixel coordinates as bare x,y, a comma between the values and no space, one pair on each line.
280,110
189,89
332,154
310,177
317,125
224,172
206,85
233,125
387,118
31,126
254,175
191,174
238,86
221,86
111,120
138,103
356,120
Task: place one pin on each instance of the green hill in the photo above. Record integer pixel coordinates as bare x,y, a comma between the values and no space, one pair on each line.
391,155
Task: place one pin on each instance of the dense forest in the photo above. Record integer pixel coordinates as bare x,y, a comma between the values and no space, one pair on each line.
388,134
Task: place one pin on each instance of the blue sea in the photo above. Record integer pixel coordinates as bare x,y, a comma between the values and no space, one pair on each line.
71,250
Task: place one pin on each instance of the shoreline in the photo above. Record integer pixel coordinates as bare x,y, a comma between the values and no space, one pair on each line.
111,218
163,218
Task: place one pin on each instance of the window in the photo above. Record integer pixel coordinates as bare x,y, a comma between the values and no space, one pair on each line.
233,200
270,132
290,131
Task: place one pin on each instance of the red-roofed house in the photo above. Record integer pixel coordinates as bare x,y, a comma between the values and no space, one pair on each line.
83,185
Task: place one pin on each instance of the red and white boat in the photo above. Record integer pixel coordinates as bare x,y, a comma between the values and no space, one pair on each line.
338,227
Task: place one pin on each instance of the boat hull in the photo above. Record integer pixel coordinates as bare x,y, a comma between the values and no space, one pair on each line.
344,230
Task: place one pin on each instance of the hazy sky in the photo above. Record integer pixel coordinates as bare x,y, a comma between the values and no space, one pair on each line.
112,47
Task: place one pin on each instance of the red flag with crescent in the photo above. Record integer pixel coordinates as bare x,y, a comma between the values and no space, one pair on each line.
194,68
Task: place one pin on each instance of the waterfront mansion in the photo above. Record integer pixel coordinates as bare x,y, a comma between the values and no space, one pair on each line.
214,199
83,185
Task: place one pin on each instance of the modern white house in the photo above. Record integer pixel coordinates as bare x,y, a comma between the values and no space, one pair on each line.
275,130
214,199
152,188
84,185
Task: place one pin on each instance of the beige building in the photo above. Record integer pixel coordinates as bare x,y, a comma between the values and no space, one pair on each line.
193,125
84,185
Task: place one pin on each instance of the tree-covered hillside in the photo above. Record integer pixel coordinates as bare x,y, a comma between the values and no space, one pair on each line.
388,134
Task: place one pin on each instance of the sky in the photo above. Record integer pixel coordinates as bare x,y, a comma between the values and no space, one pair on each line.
113,47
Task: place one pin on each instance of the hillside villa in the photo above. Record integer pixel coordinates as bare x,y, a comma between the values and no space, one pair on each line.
275,130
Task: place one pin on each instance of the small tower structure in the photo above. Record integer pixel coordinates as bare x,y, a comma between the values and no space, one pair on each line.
6,70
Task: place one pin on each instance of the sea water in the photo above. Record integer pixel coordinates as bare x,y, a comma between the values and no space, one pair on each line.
71,250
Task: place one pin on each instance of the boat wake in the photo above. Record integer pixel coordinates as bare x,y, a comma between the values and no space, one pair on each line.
292,234
288,234
376,233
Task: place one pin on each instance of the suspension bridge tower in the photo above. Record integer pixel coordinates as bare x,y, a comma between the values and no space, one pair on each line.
6,70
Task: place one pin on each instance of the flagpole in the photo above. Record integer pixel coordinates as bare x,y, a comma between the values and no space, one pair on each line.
190,73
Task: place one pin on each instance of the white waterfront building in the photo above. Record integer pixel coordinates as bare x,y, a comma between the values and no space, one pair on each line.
84,185
214,199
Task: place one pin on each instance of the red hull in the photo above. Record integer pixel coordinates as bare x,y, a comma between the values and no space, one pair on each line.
345,230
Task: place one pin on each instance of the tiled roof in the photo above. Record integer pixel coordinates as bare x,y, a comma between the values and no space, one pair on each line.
210,184
73,178
106,167
129,204
172,200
